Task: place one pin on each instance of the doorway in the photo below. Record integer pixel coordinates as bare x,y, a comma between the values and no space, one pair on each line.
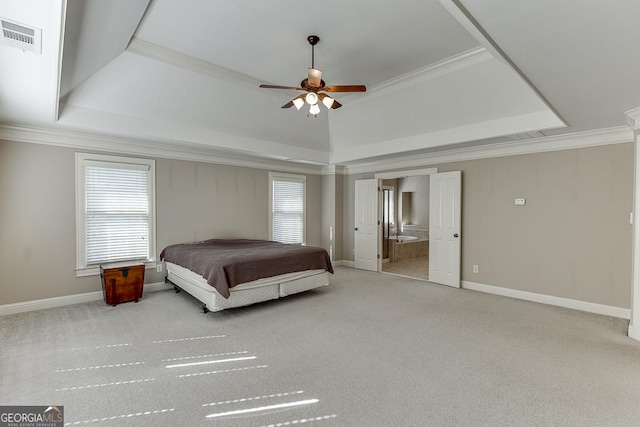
405,226
442,235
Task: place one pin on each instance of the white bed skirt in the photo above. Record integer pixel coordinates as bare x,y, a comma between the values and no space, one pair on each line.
246,293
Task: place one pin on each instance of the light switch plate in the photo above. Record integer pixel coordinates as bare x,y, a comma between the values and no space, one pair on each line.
520,202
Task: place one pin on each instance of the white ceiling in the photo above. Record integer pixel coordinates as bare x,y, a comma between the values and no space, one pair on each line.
439,73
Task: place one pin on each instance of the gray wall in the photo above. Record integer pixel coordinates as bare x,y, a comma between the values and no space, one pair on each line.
194,201
572,239
339,230
332,215
328,214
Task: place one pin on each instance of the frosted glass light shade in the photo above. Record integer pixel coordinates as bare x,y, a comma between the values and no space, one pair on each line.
314,109
298,102
312,98
327,101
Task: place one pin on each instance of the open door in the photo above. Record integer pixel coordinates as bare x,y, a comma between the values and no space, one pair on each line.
366,240
444,228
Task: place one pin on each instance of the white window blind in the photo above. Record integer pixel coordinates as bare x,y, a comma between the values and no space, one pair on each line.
117,213
288,208
115,210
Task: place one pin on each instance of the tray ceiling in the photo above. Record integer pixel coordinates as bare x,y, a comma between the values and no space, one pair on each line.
439,73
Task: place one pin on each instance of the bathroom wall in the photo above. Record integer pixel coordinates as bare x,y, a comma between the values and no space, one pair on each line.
417,211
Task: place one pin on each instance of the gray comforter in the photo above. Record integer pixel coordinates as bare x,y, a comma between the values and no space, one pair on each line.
227,263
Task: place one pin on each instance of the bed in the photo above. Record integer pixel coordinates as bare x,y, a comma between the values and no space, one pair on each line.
226,273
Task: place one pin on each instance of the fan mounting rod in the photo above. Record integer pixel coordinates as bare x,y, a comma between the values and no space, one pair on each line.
313,40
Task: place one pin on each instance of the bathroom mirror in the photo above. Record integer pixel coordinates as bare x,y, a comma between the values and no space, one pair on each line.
408,217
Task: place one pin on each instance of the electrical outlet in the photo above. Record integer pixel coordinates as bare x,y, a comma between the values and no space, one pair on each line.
159,267
475,268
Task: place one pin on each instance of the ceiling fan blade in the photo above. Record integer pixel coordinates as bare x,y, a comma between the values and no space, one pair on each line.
280,87
335,105
288,104
345,88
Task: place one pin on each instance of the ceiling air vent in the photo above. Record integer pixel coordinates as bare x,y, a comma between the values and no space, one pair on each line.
21,36
527,135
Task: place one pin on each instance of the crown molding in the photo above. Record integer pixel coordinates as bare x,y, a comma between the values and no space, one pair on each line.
633,118
89,141
334,169
593,138
421,75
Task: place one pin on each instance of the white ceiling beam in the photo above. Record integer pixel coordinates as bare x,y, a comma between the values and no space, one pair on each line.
464,17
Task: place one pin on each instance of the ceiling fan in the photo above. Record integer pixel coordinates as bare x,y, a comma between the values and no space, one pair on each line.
315,88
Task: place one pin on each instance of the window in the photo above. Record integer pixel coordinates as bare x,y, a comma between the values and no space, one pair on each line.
287,208
388,208
115,211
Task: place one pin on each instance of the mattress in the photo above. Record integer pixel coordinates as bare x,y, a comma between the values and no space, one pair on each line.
245,293
226,263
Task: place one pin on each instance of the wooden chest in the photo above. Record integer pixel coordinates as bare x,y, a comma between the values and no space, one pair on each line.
122,282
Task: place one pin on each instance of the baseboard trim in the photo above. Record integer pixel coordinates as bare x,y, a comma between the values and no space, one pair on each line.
41,304
633,333
607,310
346,263
590,307
342,263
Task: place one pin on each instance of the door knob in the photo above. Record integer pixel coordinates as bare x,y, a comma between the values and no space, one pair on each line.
356,228
455,235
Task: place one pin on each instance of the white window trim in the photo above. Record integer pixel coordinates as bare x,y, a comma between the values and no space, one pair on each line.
82,269
303,178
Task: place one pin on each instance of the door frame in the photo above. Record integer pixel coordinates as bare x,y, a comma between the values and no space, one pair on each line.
394,175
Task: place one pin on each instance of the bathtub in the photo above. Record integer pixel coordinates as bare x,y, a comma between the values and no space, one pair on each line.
401,239
407,247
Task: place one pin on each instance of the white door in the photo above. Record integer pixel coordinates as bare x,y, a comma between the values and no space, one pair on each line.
444,228
366,224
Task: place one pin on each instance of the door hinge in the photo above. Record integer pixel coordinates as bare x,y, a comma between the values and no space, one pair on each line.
378,256
378,222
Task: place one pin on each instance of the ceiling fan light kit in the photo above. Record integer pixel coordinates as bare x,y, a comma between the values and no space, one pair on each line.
315,87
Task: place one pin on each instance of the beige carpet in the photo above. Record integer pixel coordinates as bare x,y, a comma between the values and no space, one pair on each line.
369,350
